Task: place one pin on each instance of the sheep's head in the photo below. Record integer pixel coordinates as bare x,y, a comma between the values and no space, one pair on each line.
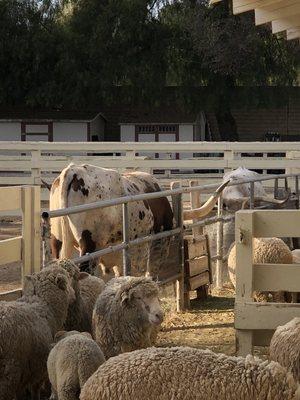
63,334
49,282
142,294
72,270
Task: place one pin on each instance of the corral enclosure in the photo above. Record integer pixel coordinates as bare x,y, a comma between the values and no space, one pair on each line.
210,323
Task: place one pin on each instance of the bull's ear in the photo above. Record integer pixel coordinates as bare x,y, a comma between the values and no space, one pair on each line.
28,285
83,275
125,298
61,282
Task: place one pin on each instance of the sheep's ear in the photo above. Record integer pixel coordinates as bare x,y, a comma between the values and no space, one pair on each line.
59,335
61,282
28,285
83,275
87,334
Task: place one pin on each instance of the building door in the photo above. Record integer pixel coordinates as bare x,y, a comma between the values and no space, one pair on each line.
158,133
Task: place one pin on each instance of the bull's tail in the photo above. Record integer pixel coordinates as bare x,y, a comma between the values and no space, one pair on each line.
68,240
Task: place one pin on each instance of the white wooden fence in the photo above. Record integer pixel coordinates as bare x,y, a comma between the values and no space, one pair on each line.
255,322
25,163
24,248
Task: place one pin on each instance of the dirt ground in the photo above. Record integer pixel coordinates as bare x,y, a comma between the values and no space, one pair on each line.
207,325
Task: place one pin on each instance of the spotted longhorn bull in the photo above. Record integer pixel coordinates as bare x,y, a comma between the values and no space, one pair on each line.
100,228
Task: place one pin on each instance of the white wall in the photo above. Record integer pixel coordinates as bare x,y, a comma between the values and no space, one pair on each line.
186,134
10,131
98,127
36,129
127,133
69,132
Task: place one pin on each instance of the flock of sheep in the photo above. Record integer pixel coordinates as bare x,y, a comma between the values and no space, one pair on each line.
92,341
72,336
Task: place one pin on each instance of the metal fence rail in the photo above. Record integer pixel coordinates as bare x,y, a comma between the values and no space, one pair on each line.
176,193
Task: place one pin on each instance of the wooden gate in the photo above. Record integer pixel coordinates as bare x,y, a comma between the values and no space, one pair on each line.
27,247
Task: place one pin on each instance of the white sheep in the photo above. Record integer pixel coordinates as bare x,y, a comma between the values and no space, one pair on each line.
73,359
27,328
185,373
285,346
126,315
296,256
265,250
87,289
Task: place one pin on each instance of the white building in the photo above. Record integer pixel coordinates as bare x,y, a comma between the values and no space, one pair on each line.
52,126
188,129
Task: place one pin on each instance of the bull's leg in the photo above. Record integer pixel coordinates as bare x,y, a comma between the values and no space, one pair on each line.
87,245
55,246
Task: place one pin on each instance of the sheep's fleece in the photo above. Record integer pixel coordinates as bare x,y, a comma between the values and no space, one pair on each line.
183,373
285,346
265,250
121,317
87,288
73,359
27,328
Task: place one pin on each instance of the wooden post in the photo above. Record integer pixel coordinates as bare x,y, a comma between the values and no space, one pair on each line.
297,191
276,188
228,158
244,275
195,202
219,264
126,256
31,231
46,236
36,227
251,205
182,297
35,167
26,231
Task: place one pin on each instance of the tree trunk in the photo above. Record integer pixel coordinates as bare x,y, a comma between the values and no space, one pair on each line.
227,125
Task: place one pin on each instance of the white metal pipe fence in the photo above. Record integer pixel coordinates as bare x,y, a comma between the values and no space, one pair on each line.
176,192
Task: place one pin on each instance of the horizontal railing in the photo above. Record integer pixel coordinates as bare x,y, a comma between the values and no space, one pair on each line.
27,163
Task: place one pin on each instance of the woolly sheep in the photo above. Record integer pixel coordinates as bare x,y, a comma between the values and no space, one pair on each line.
285,346
87,288
265,250
296,256
73,359
27,328
185,373
126,315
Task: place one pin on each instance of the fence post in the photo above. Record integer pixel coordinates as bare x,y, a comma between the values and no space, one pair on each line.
31,230
297,190
46,236
219,264
126,256
35,167
228,160
276,188
181,294
244,275
251,205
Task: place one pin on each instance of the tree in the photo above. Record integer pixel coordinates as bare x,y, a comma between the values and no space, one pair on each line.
213,48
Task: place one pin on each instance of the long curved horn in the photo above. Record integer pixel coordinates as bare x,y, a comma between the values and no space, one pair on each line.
207,206
245,200
273,201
